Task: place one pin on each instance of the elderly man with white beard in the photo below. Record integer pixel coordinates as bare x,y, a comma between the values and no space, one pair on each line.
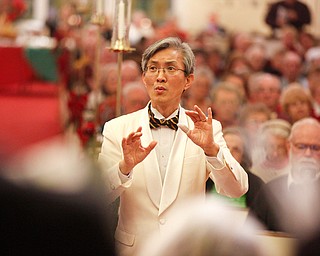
291,203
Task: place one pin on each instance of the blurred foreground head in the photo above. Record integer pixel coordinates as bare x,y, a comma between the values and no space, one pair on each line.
53,203
206,228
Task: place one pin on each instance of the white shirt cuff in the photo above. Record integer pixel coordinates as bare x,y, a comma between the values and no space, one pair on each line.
124,178
216,162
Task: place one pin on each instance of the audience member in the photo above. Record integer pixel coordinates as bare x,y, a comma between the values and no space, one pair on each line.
134,97
226,103
288,12
215,61
274,62
256,57
240,42
291,69
201,57
314,88
289,39
238,64
312,57
130,72
251,117
290,203
296,103
265,88
237,142
270,155
53,202
199,93
238,81
107,95
306,40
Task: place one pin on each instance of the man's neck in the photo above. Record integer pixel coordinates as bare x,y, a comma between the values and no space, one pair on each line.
166,111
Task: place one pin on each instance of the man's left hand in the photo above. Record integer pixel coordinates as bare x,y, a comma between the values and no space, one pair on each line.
202,134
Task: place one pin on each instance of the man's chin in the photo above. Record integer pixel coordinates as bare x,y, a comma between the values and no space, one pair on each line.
306,172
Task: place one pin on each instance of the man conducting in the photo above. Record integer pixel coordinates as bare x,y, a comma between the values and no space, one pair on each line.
159,156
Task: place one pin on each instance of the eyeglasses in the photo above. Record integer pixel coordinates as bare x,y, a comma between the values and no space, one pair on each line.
171,70
303,147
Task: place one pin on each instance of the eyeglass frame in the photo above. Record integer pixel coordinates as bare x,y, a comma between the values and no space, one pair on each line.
303,147
165,70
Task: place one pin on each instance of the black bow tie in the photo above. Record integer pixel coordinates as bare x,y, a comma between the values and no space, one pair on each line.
154,123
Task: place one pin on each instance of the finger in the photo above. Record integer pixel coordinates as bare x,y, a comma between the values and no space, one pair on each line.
132,137
124,142
193,115
136,135
202,115
209,115
184,128
151,146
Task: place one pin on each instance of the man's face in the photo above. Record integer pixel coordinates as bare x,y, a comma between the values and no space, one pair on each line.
269,93
298,110
304,153
236,145
166,89
226,105
135,101
200,88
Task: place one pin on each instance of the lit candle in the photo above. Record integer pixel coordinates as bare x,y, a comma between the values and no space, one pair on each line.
121,21
99,6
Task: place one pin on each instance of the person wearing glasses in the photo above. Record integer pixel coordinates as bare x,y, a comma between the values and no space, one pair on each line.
161,155
291,203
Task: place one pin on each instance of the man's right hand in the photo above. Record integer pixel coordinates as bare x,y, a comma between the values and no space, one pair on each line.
133,151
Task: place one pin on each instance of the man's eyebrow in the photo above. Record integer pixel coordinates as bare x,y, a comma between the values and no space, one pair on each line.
166,62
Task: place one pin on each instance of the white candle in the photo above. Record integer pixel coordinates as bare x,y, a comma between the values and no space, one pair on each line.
99,6
121,21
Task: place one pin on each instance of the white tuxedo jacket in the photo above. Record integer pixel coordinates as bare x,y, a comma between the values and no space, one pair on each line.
145,202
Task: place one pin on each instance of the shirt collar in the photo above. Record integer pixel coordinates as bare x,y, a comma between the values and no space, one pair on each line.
158,115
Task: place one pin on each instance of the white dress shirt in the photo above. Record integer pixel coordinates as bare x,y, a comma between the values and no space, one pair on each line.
165,138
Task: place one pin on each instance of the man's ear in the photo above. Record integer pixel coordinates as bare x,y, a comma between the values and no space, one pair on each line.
288,145
143,79
189,80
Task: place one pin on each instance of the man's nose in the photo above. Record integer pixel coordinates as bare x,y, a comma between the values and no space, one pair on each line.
161,75
308,152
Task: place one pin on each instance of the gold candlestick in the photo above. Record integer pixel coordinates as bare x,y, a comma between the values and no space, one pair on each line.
120,40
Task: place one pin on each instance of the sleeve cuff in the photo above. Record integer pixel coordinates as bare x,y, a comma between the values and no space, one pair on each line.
216,162
124,178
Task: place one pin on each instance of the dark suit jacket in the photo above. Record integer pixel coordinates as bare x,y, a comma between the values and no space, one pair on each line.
279,207
255,184
266,203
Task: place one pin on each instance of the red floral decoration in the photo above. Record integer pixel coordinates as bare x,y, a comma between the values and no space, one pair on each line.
76,105
14,9
86,132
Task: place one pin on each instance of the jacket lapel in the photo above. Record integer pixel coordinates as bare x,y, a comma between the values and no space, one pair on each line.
174,168
151,165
